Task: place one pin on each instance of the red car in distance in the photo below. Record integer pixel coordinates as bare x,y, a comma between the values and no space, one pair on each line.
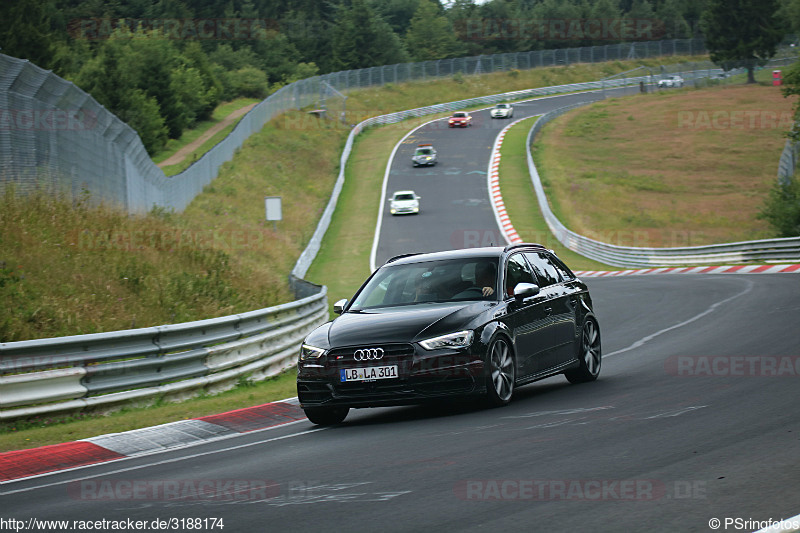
461,119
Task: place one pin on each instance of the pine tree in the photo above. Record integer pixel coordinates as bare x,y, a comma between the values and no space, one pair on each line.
742,33
430,35
362,39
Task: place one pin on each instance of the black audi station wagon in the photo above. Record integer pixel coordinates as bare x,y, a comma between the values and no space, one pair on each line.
473,322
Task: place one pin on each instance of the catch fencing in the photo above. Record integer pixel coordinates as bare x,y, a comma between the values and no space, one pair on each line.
55,136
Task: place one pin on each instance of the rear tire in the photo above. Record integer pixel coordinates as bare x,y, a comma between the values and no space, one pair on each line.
589,354
502,373
326,416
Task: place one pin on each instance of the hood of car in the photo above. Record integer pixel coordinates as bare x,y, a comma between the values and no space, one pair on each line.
408,323
405,203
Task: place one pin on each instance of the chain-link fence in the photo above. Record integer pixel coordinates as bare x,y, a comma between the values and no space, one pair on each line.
54,135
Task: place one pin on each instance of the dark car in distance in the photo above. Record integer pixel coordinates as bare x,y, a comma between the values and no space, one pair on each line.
427,327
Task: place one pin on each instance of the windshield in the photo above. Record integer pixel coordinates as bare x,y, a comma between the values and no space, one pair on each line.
451,280
502,106
423,151
459,115
403,197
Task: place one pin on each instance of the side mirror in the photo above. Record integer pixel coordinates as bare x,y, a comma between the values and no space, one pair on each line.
525,290
338,307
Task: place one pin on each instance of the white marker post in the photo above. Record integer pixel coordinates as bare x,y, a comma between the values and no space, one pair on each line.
272,205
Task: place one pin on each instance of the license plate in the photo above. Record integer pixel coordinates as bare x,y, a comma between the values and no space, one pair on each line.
369,373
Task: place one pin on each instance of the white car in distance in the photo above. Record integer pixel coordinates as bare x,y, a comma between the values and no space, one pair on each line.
404,203
670,81
502,111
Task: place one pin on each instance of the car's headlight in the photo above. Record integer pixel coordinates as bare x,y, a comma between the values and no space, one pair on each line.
310,352
461,339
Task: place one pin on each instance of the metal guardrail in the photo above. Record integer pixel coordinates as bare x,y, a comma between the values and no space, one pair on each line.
765,250
788,162
102,370
310,252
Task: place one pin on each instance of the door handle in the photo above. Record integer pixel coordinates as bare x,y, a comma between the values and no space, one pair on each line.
548,311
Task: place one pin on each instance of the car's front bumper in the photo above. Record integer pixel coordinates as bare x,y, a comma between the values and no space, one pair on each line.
422,377
404,210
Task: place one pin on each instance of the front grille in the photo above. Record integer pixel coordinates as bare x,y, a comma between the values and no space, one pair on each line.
393,354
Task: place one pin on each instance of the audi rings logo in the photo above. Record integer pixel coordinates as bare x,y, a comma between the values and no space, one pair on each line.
368,354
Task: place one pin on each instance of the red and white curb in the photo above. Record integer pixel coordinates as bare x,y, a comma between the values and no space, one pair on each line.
511,235
735,269
493,176
47,459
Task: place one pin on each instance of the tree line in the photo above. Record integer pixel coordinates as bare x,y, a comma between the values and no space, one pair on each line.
162,65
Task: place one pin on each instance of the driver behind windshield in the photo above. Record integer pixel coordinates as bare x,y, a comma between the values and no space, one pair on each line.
484,282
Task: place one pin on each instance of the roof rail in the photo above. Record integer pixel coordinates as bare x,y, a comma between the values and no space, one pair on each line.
514,246
401,256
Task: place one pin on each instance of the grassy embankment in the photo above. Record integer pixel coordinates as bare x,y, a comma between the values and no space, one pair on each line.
675,168
57,284
521,203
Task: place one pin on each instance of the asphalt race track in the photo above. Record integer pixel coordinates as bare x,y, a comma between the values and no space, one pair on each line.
455,208
693,418
681,427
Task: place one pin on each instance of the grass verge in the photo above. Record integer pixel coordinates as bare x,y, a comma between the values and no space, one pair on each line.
521,203
673,168
69,268
343,260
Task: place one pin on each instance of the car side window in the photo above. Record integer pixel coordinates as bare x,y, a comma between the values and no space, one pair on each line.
545,271
566,273
517,271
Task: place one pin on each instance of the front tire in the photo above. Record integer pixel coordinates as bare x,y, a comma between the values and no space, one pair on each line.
502,373
589,354
326,416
